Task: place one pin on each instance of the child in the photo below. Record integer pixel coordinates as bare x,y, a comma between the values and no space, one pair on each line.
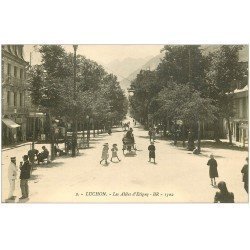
151,149
105,153
114,152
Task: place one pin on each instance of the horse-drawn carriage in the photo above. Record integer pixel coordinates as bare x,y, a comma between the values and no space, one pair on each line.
128,142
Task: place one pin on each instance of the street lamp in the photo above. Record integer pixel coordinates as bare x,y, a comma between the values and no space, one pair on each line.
74,135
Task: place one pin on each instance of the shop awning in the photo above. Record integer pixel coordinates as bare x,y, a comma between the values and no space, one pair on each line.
9,123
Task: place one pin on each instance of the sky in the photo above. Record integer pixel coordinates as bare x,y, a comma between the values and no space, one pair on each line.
102,53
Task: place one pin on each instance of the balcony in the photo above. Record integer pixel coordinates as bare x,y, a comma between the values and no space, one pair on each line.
14,82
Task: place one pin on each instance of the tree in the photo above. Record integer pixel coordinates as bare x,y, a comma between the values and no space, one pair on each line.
52,87
183,64
185,103
145,87
222,76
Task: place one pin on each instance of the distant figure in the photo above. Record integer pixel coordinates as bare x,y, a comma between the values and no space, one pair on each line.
58,150
151,149
223,196
105,153
114,152
244,172
150,134
43,155
109,131
191,146
12,174
213,173
153,133
24,177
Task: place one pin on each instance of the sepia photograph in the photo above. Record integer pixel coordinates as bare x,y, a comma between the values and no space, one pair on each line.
124,123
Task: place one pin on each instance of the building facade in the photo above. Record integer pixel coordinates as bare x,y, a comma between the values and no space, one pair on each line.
14,92
239,123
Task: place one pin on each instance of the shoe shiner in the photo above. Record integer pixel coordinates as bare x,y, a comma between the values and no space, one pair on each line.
12,175
105,153
114,152
213,172
151,149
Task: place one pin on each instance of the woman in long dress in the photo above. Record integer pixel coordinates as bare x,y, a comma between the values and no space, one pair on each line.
213,172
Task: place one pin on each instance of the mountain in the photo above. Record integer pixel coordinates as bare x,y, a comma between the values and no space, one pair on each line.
151,64
123,68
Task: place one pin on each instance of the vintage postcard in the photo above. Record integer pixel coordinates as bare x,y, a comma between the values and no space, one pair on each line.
124,123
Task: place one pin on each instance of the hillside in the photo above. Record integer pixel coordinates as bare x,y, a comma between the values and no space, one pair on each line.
151,64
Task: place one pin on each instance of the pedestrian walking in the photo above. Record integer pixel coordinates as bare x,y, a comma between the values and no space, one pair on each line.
223,196
114,152
12,174
105,153
213,172
151,149
150,134
244,172
25,168
153,134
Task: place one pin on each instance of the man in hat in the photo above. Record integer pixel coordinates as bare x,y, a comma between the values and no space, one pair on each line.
24,177
12,174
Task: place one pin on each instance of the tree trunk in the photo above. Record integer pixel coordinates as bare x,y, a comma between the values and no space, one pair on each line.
216,131
93,129
199,138
52,138
229,132
183,136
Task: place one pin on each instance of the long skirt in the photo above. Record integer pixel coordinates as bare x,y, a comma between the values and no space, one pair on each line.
213,172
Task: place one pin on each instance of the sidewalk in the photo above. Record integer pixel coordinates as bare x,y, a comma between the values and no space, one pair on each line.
15,146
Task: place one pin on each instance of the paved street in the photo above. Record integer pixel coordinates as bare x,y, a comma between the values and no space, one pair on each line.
178,176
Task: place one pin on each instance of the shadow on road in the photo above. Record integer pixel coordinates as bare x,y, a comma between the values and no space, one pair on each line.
50,165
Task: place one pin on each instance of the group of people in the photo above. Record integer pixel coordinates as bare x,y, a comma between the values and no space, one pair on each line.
25,169
224,196
34,154
105,153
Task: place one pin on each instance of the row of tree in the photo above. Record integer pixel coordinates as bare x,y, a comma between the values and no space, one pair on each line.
95,94
191,86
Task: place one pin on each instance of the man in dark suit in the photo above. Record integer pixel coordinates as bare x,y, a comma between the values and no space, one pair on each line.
24,177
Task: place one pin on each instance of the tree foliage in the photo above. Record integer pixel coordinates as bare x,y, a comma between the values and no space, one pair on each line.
97,94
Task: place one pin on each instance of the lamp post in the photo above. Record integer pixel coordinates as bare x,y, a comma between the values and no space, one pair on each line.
74,135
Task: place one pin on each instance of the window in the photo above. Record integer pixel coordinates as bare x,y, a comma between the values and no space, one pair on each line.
21,73
15,71
8,98
21,99
15,99
9,69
